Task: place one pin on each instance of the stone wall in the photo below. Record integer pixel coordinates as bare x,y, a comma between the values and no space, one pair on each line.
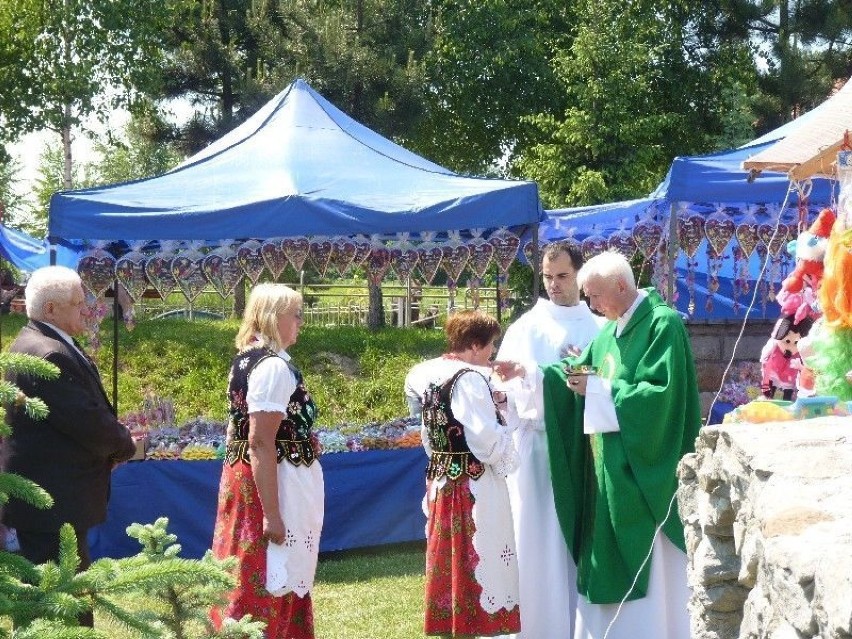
768,519
713,345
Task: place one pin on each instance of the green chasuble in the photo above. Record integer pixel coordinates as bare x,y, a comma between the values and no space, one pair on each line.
612,490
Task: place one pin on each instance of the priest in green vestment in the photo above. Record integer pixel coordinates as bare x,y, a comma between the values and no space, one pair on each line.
619,417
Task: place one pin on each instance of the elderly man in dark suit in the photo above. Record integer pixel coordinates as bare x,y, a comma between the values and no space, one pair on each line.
71,453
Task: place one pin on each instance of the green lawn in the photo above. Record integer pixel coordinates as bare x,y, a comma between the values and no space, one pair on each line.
375,593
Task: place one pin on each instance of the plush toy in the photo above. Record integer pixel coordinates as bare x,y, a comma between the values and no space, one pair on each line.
798,295
780,359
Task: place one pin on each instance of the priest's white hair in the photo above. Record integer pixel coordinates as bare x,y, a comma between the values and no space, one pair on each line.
607,265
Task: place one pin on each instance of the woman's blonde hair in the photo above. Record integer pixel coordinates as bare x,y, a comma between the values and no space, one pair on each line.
265,303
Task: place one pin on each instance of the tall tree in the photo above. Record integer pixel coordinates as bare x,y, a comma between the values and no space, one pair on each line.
490,66
804,48
62,62
643,82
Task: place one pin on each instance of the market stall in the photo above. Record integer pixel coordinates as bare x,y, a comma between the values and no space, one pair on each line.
711,225
298,181
371,498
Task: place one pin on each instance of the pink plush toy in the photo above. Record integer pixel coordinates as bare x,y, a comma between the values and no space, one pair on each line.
780,357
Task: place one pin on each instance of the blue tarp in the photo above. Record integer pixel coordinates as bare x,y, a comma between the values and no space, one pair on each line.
371,498
298,167
26,253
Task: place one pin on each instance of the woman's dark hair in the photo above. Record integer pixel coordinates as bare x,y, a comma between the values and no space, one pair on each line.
470,328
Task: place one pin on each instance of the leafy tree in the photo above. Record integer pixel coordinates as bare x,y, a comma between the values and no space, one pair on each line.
12,205
62,62
490,66
136,154
643,83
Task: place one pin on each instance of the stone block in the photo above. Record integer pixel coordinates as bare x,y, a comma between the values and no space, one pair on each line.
709,373
706,347
748,347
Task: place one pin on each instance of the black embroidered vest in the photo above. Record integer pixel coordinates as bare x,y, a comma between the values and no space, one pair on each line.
451,455
294,440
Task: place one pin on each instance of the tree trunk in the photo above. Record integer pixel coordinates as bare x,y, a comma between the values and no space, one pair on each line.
240,298
376,315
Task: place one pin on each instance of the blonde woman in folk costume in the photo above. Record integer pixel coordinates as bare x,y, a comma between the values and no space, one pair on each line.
271,496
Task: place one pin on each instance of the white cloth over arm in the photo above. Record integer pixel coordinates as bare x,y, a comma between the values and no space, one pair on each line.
291,566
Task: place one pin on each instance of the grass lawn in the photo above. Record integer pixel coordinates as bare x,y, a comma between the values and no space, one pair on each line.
374,593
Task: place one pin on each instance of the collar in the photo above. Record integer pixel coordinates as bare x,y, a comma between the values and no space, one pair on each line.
622,321
561,313
65,336
260,340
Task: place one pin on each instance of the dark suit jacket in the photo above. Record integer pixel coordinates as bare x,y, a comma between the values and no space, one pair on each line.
70,453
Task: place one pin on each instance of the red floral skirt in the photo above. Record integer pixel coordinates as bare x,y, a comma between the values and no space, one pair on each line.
452,593
239,527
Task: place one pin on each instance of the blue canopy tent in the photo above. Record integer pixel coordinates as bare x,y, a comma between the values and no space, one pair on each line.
298,167
705,184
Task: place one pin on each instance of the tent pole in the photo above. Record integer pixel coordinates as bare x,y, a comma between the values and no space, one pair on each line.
536,265
497,291
115,307
672,254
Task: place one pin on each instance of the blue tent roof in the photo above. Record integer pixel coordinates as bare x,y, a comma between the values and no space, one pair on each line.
298,167
26,253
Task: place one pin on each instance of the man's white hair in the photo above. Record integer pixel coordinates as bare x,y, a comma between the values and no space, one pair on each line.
607,265
49,284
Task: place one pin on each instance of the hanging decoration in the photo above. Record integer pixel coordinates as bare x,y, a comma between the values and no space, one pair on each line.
647,233
297,250
429,258
690,233
378,262
274,256
747,239
321,250
528,250
342,255
481,256
506,246
97,270
623,242
158,269
773,235
719,229
250,259
763,283
362,250
403,258
595,244
222,270
188,272
455,255
130,271
96,312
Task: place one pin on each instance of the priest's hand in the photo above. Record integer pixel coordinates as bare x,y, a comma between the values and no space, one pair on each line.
577,383
508,370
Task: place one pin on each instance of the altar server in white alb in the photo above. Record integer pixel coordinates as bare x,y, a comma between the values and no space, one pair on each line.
550,331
